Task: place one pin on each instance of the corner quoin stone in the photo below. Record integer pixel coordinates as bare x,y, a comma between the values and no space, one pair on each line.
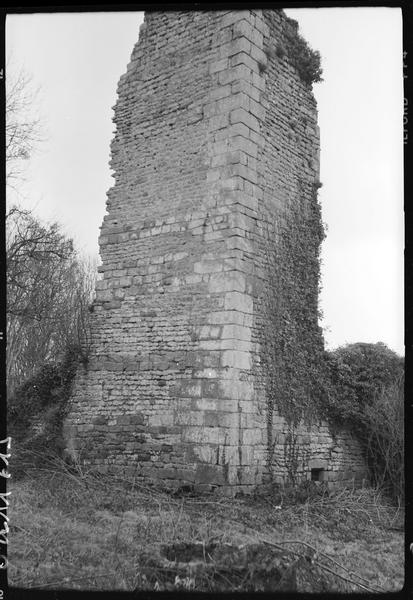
203,153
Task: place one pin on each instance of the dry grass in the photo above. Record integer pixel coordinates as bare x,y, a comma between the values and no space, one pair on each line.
71,530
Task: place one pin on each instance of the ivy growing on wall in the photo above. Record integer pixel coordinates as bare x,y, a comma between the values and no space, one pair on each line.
42,401
293,353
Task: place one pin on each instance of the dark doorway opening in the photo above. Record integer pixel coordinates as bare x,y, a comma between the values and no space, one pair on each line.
317,474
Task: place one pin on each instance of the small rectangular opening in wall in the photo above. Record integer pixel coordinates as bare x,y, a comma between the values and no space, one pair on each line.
317,474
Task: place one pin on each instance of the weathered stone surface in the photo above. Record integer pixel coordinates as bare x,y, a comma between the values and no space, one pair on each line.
201,156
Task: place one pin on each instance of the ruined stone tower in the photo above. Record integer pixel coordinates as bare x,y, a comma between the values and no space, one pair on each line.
216,142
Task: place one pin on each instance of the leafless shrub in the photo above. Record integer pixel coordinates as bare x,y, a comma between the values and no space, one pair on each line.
23,125
385,425
49,288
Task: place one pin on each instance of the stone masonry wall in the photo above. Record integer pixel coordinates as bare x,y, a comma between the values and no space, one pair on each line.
205,158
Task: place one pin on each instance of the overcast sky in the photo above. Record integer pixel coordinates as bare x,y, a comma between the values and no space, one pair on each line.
77,59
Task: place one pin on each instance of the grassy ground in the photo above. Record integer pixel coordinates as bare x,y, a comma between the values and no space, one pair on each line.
69,530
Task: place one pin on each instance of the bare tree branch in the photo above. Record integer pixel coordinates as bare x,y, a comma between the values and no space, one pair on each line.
49,291
23,125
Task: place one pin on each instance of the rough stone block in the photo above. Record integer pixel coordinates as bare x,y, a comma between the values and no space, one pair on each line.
238,332
233,74
226,282
209,344
244,346
243,28
226,316
236,389
232,17
189,389
209,332
217,122
240,302
235,358
210,474
219,65
211,389
240,115
244,59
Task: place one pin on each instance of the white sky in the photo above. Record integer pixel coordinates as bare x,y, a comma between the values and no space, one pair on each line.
77,59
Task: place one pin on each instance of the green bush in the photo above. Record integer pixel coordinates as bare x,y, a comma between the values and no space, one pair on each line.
365,392
41,401
306,60
357,373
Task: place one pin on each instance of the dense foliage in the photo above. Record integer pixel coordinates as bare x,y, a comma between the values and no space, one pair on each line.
293,344
37,408
292,347
365,392
305,60
359,373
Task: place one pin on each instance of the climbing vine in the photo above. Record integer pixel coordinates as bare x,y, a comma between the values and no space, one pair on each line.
292,353
42,400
